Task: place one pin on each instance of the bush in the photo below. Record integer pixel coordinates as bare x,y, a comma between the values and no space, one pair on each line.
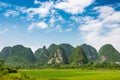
21,76
12,70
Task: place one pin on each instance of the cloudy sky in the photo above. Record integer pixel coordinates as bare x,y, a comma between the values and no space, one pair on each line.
34,23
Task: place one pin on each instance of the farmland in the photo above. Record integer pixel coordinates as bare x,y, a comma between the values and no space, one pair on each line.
73,74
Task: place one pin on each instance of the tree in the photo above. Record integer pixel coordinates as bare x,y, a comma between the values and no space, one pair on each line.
78,57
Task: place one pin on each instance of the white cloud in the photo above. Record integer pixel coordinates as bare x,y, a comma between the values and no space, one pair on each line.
60,18
21,9
57,28
36,2
42,11
38,25
56,19
68,30
52,21
11,13
4,31
104,11
98,32
73,6
4,5
75,18
113,18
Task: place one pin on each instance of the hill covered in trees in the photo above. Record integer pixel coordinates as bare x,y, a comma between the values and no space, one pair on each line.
64,55
17,56
108,53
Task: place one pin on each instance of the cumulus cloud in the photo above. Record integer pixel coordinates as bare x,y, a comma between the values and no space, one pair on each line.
105,29
11,13
42,11
38,25
104,11
73,6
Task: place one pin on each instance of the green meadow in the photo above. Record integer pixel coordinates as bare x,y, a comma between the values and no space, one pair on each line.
63,74
73,74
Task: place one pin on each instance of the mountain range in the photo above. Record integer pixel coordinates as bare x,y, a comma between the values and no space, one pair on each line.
63,54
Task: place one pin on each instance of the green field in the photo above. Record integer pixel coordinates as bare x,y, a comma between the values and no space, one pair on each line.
63,74
73,74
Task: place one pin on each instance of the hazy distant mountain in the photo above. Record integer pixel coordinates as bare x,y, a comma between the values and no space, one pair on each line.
20,56
41,55
78,56
4,53
90,52
108,53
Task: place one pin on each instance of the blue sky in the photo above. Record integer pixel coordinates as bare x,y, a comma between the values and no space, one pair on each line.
34,23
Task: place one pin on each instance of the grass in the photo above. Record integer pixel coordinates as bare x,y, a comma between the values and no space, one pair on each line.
73,74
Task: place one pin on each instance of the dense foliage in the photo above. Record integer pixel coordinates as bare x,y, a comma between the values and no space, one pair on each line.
90,52
20,56
5,70
78,57
4,53
61,56
42,56
57,57
67,48
108,53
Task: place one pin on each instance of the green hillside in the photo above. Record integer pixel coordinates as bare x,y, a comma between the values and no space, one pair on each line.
60,56
67,48
90,52
108,53
78,57
42,56
20,56
57,55
4,53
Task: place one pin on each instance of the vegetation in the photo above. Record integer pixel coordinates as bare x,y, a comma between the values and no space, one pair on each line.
7,73
58,55
4,53
73,74
5,70
20,56
67,48
61,56
108,53
78,57
42,56
63,74
90,52
63,62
